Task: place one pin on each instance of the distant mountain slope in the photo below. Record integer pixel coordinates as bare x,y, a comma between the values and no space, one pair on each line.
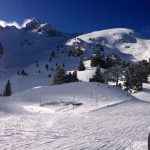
35,41
123,42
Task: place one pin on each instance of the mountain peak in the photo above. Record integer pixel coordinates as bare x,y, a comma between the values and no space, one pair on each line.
33,24
44,28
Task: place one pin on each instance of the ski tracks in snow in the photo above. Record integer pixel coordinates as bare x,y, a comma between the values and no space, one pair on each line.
121,127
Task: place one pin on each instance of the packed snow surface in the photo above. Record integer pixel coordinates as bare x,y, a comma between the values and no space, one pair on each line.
74,116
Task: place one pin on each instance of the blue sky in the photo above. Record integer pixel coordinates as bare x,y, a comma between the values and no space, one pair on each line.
80,15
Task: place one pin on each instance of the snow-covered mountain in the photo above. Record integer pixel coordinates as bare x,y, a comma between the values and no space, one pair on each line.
35,25
22,48
124,42
36,40
80,115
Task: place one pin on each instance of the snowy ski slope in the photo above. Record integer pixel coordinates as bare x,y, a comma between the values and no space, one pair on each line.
110,120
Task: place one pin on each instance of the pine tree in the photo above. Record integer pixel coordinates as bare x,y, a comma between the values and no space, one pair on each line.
47,67
37,65
103,63
76,52
143,70
123,64
74,76
95,60
68,78
50,59
18,73
7,90
69,53
149,141
81,66
23,73
127,83
98,77
49,75
133,79
52,54
59,76
109,62
115,73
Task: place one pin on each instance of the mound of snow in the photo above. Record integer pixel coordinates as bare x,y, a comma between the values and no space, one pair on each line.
85,96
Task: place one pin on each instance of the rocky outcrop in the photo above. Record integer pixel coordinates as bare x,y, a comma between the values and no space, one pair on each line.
45,29
34,24
48,30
